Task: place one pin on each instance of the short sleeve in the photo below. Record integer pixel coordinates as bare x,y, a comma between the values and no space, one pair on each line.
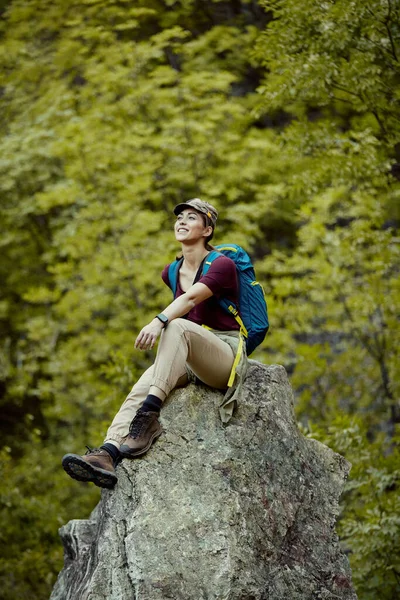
165,277
221,277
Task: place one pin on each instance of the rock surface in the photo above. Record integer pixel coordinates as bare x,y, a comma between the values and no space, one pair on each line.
239,512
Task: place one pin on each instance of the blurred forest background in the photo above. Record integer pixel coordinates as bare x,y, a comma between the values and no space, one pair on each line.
285,115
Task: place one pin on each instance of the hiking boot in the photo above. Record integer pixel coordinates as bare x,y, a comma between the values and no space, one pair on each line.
143,431
96,466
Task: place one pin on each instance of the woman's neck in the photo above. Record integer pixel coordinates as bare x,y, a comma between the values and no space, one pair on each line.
193,256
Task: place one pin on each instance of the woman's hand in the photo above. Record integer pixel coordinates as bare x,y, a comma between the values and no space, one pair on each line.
179,307
149,334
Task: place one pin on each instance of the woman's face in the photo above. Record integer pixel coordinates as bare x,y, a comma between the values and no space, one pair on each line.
189,227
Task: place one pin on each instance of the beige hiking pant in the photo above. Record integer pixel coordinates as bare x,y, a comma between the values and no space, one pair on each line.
182,343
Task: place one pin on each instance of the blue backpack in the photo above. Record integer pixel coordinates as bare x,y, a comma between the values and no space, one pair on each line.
253,316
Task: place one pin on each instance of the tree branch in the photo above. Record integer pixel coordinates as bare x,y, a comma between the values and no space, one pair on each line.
387,21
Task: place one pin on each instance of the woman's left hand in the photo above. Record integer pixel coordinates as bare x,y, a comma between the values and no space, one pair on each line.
149,334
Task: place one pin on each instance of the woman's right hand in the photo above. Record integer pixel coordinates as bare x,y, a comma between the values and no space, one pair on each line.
148,335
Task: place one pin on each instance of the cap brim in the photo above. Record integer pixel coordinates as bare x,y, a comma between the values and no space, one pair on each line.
180,207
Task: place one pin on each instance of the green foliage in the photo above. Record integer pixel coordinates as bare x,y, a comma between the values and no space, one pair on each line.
35,503
337,294
333,68
281,113
111,114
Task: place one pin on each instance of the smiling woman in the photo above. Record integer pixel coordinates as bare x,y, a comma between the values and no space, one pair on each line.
199,341
186,222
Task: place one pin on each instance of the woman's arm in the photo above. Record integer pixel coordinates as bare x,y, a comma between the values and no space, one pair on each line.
179,307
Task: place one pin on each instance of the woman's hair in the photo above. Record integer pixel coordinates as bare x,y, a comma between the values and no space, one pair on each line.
207,222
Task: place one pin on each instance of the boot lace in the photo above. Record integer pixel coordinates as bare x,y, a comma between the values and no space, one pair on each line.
137,424
92,450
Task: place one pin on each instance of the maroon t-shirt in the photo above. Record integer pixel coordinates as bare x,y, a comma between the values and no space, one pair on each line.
221,279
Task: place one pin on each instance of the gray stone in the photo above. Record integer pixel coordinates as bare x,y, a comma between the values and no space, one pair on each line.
245,511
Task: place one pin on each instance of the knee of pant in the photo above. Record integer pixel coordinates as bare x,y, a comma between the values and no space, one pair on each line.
177,328
177,325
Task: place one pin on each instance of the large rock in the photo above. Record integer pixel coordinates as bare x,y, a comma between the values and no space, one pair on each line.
239,512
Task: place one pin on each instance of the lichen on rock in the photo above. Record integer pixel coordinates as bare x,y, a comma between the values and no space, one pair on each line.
245,511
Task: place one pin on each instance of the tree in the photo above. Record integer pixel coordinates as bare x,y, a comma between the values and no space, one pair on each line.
111,114
333,67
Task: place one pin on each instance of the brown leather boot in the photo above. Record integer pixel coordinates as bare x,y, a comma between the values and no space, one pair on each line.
96,466
143,431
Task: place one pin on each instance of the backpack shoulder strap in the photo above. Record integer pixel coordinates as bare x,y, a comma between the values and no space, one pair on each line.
173,271
209,260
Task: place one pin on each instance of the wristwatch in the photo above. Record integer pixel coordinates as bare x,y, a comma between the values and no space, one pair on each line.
163,319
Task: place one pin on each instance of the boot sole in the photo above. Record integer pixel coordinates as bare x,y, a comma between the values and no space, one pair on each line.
134,453
79,469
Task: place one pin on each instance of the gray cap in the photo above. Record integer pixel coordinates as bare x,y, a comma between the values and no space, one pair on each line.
200,206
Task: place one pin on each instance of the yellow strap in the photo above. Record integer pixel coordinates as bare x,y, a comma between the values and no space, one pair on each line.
238,320
258,283
236,362
242,327
227,248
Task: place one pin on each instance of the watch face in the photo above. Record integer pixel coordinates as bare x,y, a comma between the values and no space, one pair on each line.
162,318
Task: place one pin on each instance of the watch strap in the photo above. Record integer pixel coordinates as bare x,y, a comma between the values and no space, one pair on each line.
163,319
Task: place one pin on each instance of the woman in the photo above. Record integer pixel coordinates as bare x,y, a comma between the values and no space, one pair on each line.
199,340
